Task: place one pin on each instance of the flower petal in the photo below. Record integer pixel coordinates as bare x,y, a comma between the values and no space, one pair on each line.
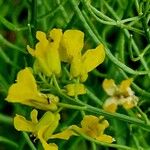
51,120
109,86
21,124
28,92
105,138
75,89
63,135
52,57
72,44
90,125
45,145
124,87
110,105
129,102
47,53
93,57
76,66
30,50
33,115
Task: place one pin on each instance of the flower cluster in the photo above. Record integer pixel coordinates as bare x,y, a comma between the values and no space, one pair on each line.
50,53
119,95
66,47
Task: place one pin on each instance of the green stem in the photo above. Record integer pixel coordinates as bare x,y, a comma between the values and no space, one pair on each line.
10,45
34,16
63,11
8,142
11,26
6,119
62,94
93,146
135,87
143,115
99,74
100,14
56,83
98,40
136,18
118,116
69,106
128,35
118,23
7,59
101,143
93,97
31,145
51,13
99,111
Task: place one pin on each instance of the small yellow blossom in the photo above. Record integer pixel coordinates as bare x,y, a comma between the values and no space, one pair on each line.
47,52
70,51
94,127
75,89
25,91
42,129
91,126
119,95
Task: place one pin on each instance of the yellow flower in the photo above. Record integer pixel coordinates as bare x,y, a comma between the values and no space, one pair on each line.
119,95
70,51
42,129
46,52
94,127
75,89
91,126
25,91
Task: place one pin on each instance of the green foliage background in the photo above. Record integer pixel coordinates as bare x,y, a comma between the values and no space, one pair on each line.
121,25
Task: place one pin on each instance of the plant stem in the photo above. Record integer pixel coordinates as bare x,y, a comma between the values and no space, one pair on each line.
31,145
102,143
9,142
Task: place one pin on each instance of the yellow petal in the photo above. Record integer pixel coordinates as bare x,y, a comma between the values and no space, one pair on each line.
41,36
33,115
21,124
83,76
76,66
43,66
47,53
103,121
45,145
129,102
109,86
53,52
42,44
110,105
27,79
93,57
51,120
124,86
90,125
75,89
41,51
30,50
28,92
72,44
66,134
105,138
47,119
